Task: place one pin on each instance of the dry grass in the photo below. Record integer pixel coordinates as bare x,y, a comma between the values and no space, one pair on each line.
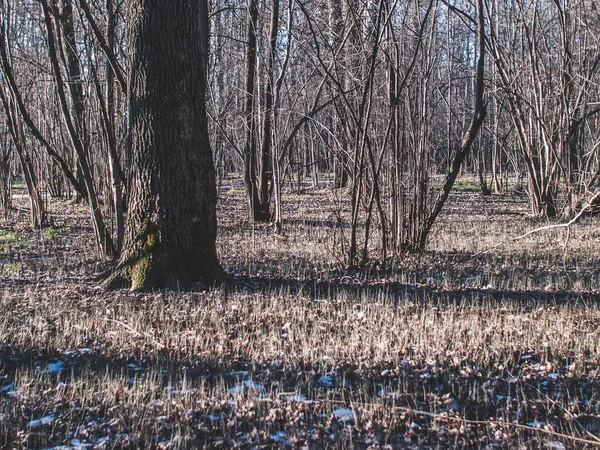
438,350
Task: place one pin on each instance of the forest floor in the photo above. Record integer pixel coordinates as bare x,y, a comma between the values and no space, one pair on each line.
482,341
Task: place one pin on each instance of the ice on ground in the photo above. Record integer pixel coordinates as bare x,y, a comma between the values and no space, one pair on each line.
344,414
46,420
56,367
245,386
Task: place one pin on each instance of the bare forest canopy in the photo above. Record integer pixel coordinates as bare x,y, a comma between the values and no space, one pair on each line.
386,100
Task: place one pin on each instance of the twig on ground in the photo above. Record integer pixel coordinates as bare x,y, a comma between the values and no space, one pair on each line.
134,331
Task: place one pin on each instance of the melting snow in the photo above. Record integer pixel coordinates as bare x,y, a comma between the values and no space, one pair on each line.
554,445
281,438
344,414
47,420
238,374
326,380
56,367
535,424
244,386
212,417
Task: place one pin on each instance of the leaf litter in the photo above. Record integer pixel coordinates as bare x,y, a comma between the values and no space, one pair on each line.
434,351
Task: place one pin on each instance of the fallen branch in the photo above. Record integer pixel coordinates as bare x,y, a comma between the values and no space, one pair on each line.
136,332
500,423
573,221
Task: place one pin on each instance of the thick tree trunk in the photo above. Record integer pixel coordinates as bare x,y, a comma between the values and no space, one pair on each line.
171,225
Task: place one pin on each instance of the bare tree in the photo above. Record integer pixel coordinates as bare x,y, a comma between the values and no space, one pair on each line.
171,224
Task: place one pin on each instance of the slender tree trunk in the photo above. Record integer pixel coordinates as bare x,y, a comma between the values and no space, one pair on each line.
250,147
265,176
171,226
103,237
113,162
478,118
73,67
15,127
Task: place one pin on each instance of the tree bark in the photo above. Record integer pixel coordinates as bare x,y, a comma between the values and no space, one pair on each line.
171,226
478,118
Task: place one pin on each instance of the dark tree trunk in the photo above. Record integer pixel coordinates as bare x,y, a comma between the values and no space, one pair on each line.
171,225
74,80
265,178
114,167
259,211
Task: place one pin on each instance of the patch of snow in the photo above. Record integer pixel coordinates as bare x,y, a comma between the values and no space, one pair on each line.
535,424
281,438
81,351
299,398
326,380
46,420
245,386
555,445
56,367
171,391
238,374
212,417
344,414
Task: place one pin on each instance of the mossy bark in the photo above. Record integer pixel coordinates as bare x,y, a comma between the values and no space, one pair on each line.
171,225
